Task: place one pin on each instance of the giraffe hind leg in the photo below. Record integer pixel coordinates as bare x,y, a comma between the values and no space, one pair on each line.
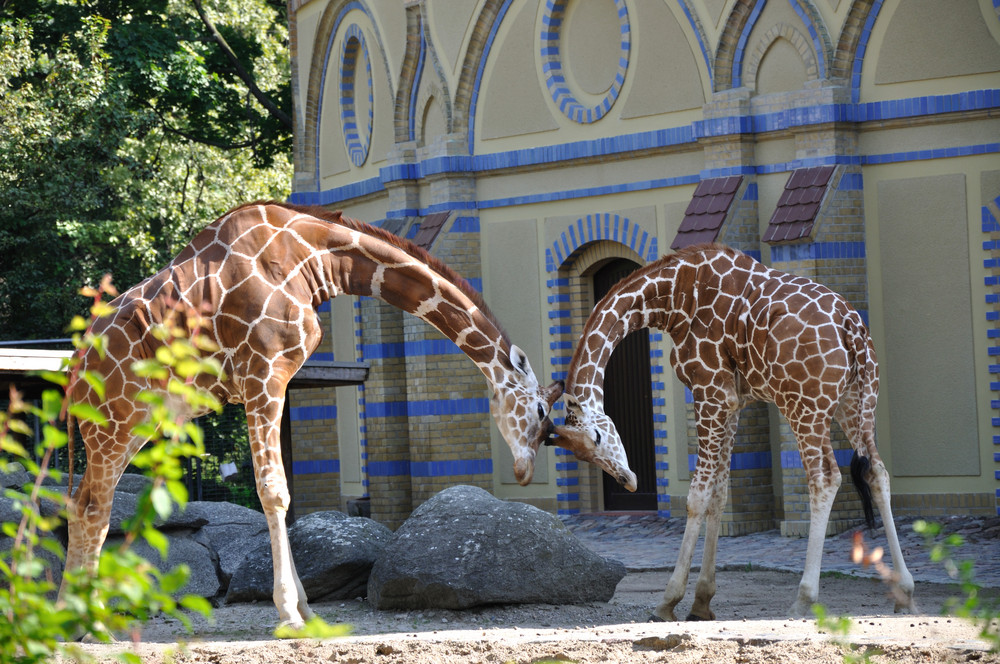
871,479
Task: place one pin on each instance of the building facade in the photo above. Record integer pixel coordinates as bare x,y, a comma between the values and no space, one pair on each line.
544,148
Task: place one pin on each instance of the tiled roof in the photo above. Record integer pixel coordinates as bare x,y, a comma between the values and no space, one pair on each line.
430,226
707,211
798,205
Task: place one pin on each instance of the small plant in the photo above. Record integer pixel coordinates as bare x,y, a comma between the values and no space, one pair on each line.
970,607
126,589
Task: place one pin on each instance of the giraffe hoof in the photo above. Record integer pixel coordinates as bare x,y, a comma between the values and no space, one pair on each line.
655,618
691,617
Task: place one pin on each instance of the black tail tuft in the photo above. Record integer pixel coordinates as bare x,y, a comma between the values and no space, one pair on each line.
859,468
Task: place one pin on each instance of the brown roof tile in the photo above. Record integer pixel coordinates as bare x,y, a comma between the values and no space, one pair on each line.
707,211
798,204
430,226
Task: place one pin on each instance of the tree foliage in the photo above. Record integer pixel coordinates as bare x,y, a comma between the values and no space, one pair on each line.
126,127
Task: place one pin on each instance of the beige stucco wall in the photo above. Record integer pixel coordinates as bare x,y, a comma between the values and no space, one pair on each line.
530,171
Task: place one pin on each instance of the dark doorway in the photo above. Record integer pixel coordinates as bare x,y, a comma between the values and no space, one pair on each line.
628,401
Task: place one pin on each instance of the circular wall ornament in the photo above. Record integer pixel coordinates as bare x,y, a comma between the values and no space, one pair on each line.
573,103
356,112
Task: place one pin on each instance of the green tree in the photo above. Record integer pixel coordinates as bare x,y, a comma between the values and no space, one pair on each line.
126,126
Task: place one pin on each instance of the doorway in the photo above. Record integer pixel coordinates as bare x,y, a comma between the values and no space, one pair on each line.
628,401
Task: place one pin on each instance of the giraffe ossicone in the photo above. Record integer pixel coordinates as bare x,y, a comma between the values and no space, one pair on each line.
743,332
255,277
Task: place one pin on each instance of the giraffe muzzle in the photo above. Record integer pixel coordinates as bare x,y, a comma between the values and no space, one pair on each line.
524,470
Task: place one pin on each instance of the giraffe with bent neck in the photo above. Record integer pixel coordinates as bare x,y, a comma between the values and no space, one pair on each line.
742,332
256,276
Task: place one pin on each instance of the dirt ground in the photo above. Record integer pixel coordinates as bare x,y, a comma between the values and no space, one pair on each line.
752,627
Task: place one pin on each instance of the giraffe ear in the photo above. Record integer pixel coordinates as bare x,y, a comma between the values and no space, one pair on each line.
520,361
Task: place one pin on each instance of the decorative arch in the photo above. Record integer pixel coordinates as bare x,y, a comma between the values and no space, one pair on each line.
819,35
552,54
357,129
703,44
851,36
437,88
409,75
603,226
329,25
430,92
732,42
586,245
790,34
484,33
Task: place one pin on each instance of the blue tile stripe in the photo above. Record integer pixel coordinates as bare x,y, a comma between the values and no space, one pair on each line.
784,253
974,100
792,460
699,32
427,408
451,467
422,348
316,467
749,461
311,413
991,225
414,112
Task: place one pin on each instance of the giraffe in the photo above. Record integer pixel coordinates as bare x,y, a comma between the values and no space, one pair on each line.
742,332
257,275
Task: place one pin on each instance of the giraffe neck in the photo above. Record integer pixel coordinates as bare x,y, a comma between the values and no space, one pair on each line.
359,259
638,302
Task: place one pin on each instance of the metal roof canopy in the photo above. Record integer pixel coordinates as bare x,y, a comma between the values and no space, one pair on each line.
17,363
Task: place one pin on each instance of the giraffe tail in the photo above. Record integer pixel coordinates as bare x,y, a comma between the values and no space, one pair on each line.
860,465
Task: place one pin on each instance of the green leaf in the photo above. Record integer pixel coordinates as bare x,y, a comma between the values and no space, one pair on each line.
84,411
160,499
157,540
197,603
96,382
150,369
315,628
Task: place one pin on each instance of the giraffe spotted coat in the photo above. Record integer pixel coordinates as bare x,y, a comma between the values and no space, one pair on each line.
741,332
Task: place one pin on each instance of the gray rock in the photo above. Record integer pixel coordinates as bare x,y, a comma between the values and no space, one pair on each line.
13,475
333,556
465,548
231,531
204,579
132,483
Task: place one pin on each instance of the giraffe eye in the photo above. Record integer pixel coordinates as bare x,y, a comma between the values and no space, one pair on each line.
541,412
597,437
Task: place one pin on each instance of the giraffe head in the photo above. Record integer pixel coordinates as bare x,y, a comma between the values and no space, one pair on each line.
591,436
520,407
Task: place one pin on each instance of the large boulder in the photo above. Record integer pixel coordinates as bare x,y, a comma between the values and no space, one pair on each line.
333,556
201,561
465,548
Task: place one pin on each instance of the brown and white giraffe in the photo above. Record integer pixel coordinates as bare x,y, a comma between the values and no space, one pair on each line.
257,275
742,332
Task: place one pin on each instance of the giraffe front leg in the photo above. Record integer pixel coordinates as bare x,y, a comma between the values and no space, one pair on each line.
705,587
272,488
677,584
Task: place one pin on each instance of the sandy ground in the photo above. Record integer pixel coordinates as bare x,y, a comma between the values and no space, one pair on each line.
752,627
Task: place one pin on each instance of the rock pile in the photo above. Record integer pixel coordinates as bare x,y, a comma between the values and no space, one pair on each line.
462,548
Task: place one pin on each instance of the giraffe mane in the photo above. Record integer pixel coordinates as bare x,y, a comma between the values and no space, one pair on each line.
433,262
